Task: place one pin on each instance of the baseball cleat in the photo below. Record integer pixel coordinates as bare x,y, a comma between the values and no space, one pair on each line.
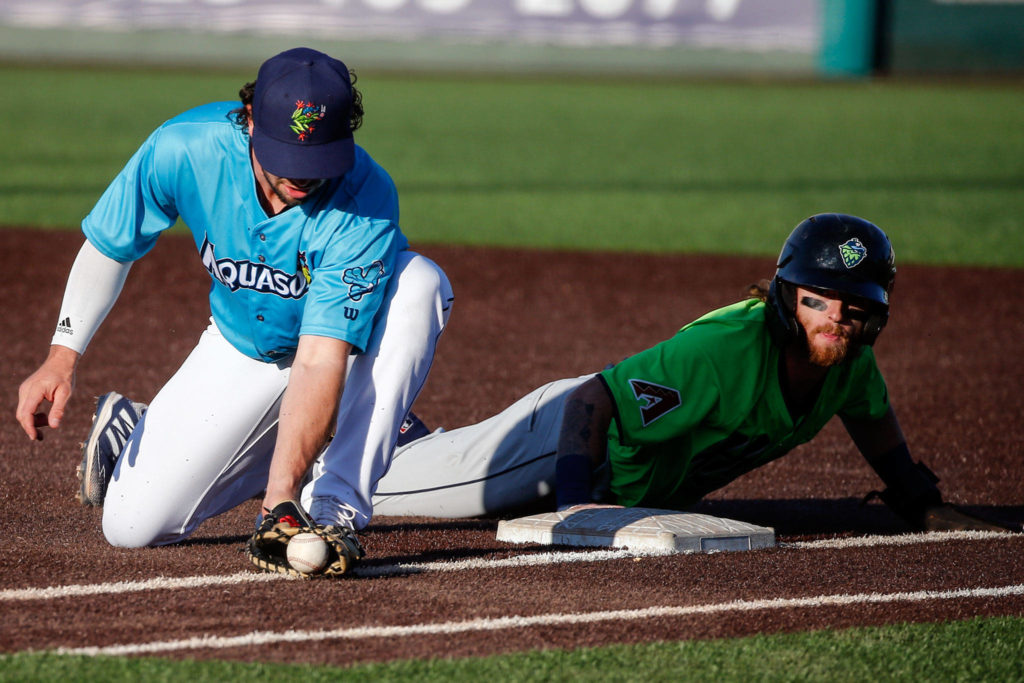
112,423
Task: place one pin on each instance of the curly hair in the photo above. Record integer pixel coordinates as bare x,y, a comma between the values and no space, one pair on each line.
240,116
758,290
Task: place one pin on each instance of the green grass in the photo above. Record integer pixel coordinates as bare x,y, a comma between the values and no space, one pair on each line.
654,165
973,650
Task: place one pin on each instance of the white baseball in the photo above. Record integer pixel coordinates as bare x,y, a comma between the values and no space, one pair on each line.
307,553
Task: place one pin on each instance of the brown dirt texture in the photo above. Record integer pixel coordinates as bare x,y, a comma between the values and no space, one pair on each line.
951,355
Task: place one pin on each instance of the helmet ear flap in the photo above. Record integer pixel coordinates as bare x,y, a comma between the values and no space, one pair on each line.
877,320
782,311
873,327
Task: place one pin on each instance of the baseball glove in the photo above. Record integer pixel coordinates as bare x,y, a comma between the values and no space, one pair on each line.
268,546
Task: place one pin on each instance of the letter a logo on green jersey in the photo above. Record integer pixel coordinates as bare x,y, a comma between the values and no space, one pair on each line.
654,400
853,252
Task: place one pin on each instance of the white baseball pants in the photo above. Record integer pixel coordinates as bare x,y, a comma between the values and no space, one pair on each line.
206,441
505,461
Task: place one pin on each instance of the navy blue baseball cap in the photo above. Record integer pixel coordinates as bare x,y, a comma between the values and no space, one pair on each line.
301,111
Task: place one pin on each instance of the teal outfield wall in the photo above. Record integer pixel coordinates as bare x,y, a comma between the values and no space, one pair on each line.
848,37
954,37
866,37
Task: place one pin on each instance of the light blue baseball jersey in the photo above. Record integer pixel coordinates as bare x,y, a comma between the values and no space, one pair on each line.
320,268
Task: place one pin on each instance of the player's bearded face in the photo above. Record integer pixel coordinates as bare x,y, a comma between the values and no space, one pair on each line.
827,345
290,191
831,326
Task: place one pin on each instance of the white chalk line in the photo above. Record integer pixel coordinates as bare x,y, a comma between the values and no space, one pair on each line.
366,571
530,560
526,560
902,539
160,583
209,642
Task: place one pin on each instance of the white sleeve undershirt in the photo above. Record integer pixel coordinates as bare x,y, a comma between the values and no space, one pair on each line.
93,286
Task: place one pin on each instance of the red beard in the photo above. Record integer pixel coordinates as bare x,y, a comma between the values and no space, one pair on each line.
831,353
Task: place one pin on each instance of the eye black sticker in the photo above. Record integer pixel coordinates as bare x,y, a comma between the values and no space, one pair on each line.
815,303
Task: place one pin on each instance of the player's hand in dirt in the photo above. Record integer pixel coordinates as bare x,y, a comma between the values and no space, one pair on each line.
54,381
947,517
589,506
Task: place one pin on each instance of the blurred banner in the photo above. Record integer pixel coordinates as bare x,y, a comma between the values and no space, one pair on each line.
834,38
790,25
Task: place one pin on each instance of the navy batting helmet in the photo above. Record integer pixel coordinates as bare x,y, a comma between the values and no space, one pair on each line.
845,254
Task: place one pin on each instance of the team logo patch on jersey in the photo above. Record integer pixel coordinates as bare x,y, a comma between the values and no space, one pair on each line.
304,116
656,399
304,267
258,277
362,281
852,252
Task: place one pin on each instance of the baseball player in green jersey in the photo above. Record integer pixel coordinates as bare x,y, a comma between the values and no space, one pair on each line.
731,391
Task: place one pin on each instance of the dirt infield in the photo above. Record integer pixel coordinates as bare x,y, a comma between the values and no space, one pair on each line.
951,355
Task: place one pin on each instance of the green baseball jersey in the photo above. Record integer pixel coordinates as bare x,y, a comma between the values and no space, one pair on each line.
706,406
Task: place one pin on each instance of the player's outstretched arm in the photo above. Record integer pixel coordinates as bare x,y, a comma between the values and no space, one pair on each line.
911,488
94,283
308,411
582,442
53,381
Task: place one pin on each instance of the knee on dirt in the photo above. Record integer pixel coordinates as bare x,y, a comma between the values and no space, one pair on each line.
133,528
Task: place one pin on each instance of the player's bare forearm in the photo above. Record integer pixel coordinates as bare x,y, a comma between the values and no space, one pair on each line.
53,381
308,411
911,488
581,442
876,438
585,421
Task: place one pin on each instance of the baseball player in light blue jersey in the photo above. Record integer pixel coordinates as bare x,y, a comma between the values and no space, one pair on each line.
323,323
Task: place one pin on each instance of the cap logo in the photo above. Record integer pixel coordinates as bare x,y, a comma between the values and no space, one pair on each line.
853,252
304,116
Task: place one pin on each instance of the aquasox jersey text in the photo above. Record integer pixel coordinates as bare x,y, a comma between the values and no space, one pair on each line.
258,277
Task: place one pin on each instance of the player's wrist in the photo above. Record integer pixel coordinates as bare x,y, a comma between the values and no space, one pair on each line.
572,480
63,357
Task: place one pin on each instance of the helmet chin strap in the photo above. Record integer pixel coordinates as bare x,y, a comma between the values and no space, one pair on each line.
781,314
